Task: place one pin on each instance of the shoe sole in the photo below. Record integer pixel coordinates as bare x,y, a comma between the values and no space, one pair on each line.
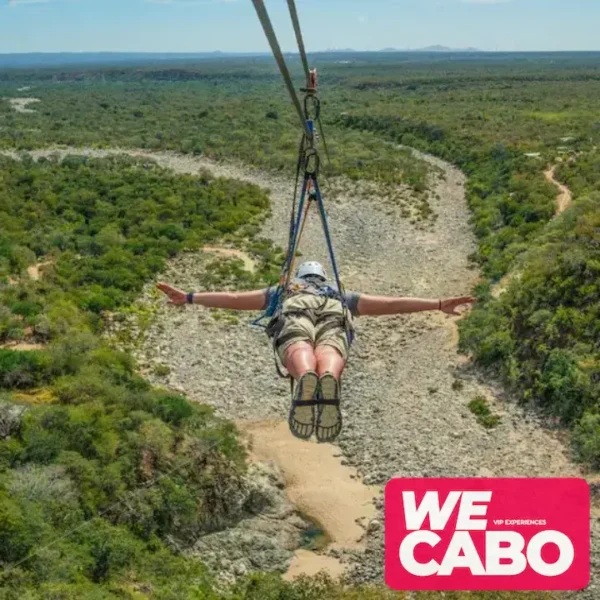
300,416
330,417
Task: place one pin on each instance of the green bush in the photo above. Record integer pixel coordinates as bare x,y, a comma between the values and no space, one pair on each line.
480,408
104,241
542,334
322,587
131,470
22,369
173,409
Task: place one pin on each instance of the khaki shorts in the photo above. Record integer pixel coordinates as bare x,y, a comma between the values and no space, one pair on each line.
316,320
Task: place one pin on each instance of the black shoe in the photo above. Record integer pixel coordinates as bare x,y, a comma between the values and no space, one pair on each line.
329,417
302,413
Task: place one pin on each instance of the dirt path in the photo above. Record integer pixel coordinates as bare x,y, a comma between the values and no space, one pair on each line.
232,253
564,198
36,271
563,201
22,346
406,390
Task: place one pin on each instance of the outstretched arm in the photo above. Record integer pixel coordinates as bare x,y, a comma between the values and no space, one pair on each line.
254,300
388,305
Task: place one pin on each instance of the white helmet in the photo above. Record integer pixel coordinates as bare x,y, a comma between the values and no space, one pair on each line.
311,269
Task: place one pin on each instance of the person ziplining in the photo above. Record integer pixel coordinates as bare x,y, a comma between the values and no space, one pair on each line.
310,319
310,336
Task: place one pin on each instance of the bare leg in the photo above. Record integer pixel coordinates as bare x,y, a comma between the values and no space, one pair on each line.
300,358
329,360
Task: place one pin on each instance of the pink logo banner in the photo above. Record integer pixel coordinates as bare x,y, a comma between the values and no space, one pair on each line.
487,534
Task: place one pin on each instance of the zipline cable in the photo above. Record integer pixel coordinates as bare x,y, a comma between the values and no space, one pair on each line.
265,21
310,83
300,40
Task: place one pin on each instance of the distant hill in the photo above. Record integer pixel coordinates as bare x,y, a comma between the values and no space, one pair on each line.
41,59
338,51
446,49
99,60
436,48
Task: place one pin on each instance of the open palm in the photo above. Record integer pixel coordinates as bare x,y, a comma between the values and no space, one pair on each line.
449,305
176,297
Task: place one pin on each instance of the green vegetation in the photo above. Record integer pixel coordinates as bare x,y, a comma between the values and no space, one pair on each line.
485,117
105,226
161,370
268,587
457,385
123,467
542,334
481,409
510,200
481,114
582,175
215,114
101,476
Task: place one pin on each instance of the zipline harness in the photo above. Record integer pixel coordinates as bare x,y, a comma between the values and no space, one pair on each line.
308,164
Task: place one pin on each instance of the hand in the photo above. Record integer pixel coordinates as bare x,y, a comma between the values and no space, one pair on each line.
449,305
176,297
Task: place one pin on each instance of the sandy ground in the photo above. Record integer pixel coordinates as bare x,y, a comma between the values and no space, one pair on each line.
232,253
21,104
35,272
332,494
22,346
309,563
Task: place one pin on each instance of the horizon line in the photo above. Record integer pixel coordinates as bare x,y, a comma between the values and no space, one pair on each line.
428,49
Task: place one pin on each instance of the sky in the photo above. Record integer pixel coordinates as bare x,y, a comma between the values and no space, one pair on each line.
232,25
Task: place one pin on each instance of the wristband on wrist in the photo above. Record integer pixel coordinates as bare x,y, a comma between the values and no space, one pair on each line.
190,298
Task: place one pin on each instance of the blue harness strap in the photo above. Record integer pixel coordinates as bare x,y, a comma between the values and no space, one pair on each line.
271,308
